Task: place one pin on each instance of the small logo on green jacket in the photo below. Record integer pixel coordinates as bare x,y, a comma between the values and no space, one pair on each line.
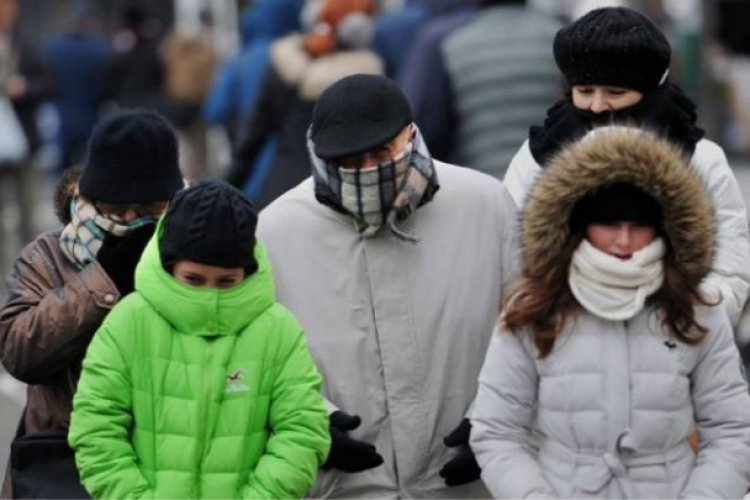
236,382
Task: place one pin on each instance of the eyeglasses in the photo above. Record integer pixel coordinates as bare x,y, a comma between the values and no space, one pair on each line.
154,209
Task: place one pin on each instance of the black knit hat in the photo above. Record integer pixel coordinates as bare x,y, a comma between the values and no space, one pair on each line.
616,203
357,114
131,158
613,46
211,223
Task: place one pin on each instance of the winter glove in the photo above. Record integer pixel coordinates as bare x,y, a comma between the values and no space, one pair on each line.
118,256
463,468
347,454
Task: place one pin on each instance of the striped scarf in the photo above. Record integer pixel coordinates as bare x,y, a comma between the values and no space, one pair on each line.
82,237
381,195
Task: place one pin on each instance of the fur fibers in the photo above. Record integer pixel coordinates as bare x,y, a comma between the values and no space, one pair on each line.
611,155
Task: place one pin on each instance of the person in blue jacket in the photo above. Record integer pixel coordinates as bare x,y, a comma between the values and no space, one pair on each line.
237,83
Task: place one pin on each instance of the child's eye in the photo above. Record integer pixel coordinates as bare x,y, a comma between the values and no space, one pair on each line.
584,90
226,283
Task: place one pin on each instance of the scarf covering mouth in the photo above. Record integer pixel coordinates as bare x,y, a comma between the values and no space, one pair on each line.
613,288
666,111
82,238
378,196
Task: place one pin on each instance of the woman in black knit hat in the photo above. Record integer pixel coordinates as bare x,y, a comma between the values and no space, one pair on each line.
616,64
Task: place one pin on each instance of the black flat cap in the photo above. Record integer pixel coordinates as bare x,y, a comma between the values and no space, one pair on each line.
357,114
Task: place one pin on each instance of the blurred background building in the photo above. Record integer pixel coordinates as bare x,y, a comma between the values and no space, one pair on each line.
201,63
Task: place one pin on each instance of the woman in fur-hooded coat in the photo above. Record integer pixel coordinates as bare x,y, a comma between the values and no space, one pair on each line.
615,399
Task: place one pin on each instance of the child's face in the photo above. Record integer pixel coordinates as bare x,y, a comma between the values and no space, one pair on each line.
204,276
620,239
600,98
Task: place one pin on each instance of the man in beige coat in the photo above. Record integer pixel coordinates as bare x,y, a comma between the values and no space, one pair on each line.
395,265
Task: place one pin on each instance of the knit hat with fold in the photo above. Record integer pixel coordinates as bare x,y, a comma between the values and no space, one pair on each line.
211,223
613,46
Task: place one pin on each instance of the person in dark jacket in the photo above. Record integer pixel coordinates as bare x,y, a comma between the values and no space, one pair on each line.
78,60
65,282
136,77
424,76
237,84
301,68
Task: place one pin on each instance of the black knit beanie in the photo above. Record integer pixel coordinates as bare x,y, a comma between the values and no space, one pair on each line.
616,203
613,46
211,223
131,158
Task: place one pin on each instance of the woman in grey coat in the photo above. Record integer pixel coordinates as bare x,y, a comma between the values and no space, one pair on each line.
608,347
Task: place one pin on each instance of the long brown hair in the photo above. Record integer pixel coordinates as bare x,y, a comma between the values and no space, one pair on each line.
544,303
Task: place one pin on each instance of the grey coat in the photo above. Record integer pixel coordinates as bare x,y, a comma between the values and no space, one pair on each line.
608,383
398,330
616,400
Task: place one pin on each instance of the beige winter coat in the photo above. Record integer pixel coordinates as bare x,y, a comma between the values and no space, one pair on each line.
399,330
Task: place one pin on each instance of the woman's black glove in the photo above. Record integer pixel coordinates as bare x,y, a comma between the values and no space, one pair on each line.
463,468
347,454
118,256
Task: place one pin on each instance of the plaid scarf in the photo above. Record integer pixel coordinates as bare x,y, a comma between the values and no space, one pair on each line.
82,237
378,196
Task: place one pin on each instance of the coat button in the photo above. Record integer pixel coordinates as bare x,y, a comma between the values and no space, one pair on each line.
109,299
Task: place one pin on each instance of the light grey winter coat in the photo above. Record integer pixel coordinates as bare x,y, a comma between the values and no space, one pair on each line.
616,400
399,330
730,274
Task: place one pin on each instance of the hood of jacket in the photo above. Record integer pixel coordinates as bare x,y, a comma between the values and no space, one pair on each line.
270,19
204,312
611,155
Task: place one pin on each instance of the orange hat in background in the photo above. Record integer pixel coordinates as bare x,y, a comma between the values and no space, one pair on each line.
322,38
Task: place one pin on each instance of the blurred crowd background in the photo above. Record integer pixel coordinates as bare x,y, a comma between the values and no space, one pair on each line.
202,63
212,67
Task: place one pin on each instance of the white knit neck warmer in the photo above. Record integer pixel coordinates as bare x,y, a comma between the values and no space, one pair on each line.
613,288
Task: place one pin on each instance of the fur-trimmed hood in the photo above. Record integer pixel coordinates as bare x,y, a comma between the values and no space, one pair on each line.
611,155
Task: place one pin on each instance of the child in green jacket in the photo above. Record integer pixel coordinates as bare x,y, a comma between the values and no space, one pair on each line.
200,385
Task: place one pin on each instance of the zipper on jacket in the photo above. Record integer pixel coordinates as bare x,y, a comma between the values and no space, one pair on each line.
204,402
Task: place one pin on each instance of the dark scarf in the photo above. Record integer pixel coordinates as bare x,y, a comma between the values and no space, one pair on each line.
666,111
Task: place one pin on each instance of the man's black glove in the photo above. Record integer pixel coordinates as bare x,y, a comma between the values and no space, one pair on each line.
118,256
347,454
463,468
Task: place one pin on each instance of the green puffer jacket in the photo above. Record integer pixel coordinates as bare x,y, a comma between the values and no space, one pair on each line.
199,393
